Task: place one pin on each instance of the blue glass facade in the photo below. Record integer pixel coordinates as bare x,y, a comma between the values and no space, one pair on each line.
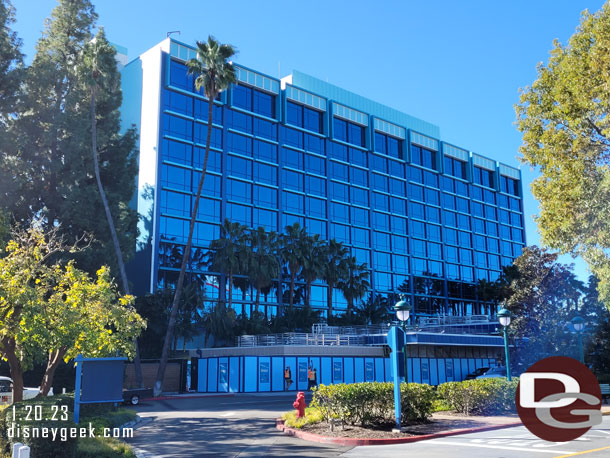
428,217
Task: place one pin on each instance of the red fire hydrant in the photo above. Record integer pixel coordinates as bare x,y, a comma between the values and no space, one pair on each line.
300,405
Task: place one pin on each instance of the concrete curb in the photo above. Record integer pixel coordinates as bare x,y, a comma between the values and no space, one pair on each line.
349,441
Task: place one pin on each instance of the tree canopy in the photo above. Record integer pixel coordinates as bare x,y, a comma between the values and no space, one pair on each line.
564,117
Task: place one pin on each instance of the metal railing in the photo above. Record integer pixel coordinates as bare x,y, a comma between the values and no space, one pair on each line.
325,335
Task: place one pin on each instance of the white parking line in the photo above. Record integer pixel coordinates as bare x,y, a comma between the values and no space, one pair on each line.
517,449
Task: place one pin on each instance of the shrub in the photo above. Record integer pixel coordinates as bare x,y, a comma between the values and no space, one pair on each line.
373,402
312,416
480,396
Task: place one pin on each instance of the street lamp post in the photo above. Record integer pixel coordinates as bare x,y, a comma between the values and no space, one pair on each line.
505,316
403,310
579,325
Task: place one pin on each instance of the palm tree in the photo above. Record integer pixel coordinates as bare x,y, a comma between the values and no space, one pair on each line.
313,263
263,265
292,253
214,74
356,283
334,269
97,56
226,254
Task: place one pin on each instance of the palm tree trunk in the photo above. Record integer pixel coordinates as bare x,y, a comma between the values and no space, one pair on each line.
187,252
230,290
307,294
350,305
329,296
292,278
258,299
113,234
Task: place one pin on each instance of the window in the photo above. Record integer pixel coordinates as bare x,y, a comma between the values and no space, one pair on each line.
240,167
381,241
293,202
239,191
315,186
348,132
509,185
397,187
338,151
381,221
315,164
399,244
385,144
360,216
358,157
399,225
302,116
416,192
265,151
173,203
360,237
424,157
240,144
265,218
397,169
380,182
293,180
265,196
315,226
292,158
399,207
177,127
177,102
359,176
340,232
433,214
455,167
360,196
339,212
316,207
293,137
432,197
380,202
339,171
264,173
483,177
239,213
416,210
253,100
264,129
176,178
340,191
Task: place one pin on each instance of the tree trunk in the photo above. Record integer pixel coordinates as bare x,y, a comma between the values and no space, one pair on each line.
292,278
350,305
55,358
230,290
115,239
187,251
329,296
15,370
258,299
308,294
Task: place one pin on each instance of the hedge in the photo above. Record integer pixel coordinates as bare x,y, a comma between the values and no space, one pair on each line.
480,396
372,403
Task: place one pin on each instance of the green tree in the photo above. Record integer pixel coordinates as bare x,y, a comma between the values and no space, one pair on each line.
355,284
292,244
97,70
57,311
214,73
227,255
313,264
55,179
11,63
263,265
219,322
334,268
542,295
11,75
564,117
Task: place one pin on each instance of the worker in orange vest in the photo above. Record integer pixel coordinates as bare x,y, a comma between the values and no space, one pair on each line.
311,378
287,378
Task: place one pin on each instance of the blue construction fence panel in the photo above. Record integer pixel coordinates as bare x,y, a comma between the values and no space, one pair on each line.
253,374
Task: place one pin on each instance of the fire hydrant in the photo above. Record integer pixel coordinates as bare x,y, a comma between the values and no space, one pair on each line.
300,405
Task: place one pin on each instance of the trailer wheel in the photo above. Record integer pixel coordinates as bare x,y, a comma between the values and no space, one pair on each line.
135,400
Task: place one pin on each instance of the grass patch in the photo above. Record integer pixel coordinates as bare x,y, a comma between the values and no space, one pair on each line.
312,416
103,447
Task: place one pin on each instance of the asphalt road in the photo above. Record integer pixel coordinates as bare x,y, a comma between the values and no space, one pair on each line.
244,426
235,426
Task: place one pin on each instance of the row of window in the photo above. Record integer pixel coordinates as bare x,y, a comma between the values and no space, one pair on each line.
256,101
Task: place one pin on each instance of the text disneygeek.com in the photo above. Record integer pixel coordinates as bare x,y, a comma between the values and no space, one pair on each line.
15,431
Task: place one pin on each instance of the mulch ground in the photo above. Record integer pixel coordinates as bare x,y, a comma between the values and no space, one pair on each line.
448,422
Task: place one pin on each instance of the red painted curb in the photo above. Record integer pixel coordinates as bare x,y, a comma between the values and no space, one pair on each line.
373,441
166,398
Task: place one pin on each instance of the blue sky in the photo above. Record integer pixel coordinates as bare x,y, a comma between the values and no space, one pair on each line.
456,64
